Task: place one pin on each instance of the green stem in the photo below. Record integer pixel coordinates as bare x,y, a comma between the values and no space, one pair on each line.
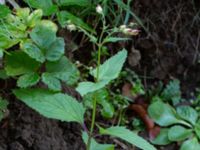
100,44
95,100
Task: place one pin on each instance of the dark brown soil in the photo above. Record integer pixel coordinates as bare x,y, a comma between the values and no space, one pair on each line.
170,50
27,130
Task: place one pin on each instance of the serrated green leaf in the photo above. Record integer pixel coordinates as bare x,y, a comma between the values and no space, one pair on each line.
107,72
52,105
52,82
63,70
163,114
4,11
73,2
43,36
188,113
191,144
128,136
96,146
111,68
46,5
179,133
162,138
55,50
33,51
28,80
17,63
64,17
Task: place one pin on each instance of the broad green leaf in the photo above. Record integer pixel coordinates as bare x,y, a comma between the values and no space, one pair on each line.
110,69
28,80
88,87
191,144
63,70
179,133
4,11
52,82
64,17
197,128
3,106
52,105
172,92
188,113
115,39
17,63
33,51
73,2
55,50
107,72
46,5
162,138
163,114
96,146
43,36
128,136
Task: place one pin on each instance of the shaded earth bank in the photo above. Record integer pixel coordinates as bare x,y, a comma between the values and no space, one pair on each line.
170,50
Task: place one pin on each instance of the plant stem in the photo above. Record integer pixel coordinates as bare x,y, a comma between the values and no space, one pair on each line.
100,45
95,100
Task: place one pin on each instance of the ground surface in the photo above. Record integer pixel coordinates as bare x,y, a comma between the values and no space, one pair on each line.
170,50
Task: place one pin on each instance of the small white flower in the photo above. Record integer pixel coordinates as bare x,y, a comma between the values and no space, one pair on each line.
99,9
71,27
122,27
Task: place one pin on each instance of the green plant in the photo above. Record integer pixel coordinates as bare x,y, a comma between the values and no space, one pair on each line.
180,125
38,59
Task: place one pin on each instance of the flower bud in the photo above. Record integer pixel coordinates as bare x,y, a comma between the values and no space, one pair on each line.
99,9
71,27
